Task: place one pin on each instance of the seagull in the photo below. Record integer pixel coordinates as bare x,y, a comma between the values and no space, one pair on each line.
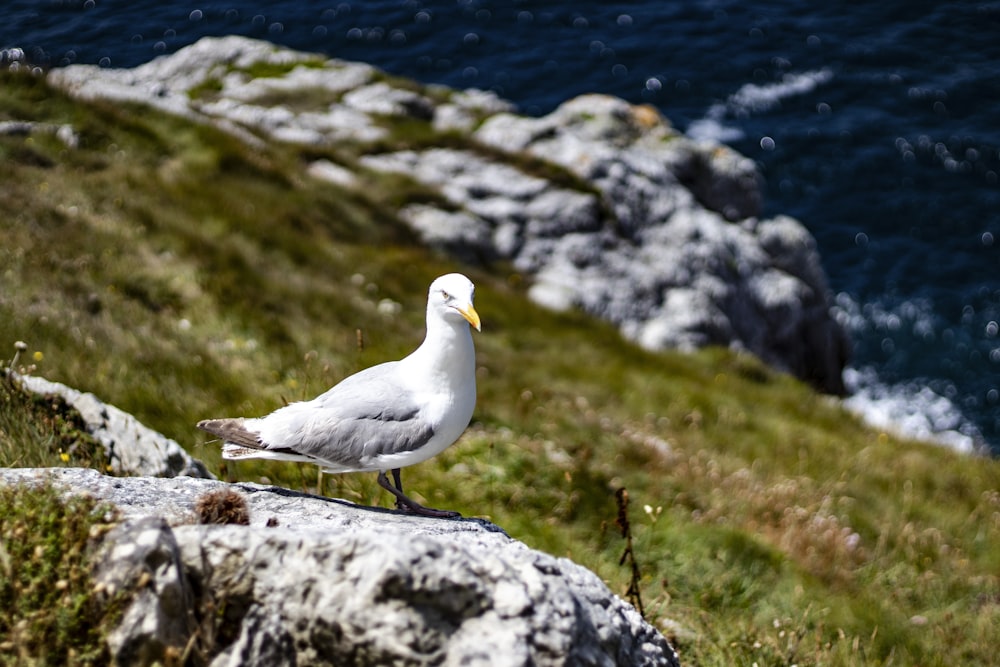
385,417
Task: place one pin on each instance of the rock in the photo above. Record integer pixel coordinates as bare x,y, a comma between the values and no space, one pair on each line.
617,214
332,173
720,179
178,83
319,581
381,98
466,108
334,78
504,210
457,232
132,448
143,557
673,269
65,133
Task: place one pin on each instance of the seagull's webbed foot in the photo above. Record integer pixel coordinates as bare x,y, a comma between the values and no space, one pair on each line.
407,504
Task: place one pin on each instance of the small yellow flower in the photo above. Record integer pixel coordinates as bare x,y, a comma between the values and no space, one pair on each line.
38,356
64,456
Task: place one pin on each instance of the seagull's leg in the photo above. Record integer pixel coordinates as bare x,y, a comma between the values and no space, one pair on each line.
404,503
398,483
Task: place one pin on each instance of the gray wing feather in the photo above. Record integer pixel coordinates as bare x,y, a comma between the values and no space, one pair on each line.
368,414
374,392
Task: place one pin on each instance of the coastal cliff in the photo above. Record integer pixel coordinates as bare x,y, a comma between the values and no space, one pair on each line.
601,204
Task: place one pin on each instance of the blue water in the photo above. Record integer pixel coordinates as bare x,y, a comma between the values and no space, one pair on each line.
876,124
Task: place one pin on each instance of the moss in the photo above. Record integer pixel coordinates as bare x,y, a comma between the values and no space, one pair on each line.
51,613
265,69
207,89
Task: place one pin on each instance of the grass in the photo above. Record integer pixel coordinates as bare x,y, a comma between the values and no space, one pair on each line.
180,275
51,614
38,431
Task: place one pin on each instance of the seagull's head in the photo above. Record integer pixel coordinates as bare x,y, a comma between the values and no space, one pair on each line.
451,296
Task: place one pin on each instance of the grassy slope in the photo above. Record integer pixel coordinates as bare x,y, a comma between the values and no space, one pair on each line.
180,275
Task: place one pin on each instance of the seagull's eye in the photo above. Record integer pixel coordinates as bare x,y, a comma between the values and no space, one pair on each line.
445,295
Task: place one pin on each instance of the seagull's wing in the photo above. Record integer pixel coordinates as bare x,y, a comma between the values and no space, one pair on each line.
368,415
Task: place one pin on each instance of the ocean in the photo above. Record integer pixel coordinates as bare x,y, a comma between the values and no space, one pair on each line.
875,124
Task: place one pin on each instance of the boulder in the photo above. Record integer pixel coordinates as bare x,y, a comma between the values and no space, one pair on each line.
319,581
132,448
683,260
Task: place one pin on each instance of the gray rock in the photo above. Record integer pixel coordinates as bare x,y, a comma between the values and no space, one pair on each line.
165,82
335,77
381,98
720,179
143,557
63,132
327,171
319,581
675,270
467,108
169,82
132,447
496,201
458,232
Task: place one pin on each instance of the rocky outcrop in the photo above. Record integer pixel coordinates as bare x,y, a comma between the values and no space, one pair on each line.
601,203
317,581
681,260
131,447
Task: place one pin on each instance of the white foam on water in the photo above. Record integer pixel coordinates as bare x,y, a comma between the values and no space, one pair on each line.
911,408
713,127
752,98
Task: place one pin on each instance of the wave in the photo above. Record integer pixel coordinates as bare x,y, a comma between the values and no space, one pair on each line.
713,128
752,98
910,408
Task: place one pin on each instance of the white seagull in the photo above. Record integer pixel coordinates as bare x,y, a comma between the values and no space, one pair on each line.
386,417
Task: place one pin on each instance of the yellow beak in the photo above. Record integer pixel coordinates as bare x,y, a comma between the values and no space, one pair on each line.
470,314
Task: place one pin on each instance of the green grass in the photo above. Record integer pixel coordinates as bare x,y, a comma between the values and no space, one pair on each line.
266,69
181,275
38,431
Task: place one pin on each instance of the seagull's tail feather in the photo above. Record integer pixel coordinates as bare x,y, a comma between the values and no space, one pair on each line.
239,442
